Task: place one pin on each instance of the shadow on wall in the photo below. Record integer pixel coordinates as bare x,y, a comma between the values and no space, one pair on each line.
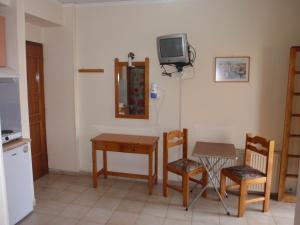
273,87
273,84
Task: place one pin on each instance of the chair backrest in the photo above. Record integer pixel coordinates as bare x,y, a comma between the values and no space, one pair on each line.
176,138
261,146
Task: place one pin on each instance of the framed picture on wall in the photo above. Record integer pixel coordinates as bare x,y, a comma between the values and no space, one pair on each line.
232,69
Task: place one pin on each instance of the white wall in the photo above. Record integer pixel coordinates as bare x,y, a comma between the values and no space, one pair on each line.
5,2
297,210
59,94
263,30
34,33
49,10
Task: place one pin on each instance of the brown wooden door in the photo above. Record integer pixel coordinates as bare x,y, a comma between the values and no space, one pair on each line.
36,102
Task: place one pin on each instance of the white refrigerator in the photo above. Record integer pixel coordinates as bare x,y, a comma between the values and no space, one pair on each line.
3,194
18,176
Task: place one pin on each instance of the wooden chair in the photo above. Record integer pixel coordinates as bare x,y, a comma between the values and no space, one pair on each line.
246,175
184,167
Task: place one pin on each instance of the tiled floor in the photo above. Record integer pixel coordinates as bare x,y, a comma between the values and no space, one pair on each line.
71,200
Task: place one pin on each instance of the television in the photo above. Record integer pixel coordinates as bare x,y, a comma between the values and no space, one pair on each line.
173,49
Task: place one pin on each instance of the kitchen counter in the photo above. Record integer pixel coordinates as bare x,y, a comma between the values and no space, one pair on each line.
14,144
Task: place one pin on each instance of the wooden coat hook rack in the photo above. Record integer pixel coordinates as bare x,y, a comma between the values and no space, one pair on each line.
88,70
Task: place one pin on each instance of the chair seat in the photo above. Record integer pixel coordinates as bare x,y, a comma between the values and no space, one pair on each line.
244,172
184,165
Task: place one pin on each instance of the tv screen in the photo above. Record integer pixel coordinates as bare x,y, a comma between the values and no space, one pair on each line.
173,49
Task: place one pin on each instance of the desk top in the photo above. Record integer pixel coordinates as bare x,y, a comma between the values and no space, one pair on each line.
211,149
128,139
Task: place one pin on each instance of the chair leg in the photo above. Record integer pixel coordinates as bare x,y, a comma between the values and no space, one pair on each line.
204,183
222,184
165,182
185,190
242,200
267,197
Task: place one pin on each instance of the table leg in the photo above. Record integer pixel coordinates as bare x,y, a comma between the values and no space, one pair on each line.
94,158
156,162
150,172
105,164
212,172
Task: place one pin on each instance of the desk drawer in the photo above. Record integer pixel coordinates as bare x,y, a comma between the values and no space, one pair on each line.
134,148
142,149
110,146
127,148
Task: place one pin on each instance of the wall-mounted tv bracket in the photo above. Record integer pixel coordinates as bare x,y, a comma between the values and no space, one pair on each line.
179,67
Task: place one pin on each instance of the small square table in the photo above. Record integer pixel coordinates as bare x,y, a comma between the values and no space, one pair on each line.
222,152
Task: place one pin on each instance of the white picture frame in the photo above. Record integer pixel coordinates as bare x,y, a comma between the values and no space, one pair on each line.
232,69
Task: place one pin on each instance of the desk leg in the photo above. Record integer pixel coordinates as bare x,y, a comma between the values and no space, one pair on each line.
94,156
150,172
156,162
105,164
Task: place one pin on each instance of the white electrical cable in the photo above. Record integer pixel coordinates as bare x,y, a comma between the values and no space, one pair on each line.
180,101
180,113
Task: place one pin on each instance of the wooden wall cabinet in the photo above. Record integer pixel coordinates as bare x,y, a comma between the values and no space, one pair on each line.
2,42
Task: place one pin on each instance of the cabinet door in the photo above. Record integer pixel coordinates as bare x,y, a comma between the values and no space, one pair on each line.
2,42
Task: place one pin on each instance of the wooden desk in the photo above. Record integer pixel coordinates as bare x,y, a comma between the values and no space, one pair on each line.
127,144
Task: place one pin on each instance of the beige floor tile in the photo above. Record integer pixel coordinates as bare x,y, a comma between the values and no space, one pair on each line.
37,219
260,219
159,199
47,194
124,184
126,202
232,220
176,222
87,198
179,212
83,181
77,188
88,223
47,180
202,223
108,203
68,178
149,220
155,209
205,217
137,196
106,184
66,197
115,192
96,215
49,207
63,221
207,205
60,185
130,206
283,210
284,220
176,199
75,211
123,218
